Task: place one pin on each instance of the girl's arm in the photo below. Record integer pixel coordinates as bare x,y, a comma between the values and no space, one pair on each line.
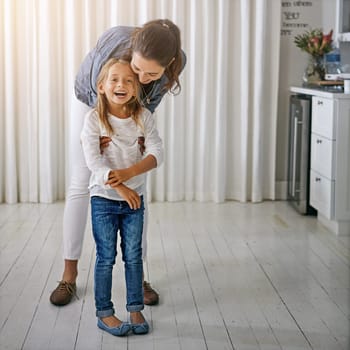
90,140
129,195
153,156
117,177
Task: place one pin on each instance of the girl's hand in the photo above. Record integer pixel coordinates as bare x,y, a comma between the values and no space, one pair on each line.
104,142
132,198
117,177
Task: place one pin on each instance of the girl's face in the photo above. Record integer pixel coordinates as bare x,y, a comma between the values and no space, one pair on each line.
147,70
119,85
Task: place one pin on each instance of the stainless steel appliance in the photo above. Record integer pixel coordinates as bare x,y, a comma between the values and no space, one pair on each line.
299,153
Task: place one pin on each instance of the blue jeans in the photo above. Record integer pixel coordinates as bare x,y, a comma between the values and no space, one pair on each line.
109,216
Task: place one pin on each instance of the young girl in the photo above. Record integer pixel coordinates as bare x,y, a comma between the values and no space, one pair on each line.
135,148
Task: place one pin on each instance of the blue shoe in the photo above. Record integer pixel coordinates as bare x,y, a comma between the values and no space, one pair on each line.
140,328
120,331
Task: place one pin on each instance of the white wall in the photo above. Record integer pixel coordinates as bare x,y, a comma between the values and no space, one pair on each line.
295,14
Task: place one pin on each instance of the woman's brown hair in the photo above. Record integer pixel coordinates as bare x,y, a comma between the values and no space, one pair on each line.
133,107
159,40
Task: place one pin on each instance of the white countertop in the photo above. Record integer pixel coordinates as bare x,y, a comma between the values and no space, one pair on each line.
320,93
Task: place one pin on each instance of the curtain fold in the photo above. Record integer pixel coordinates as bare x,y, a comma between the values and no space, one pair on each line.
8,108
245,99
219,133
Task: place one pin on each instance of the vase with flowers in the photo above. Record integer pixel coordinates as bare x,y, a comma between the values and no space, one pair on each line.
316,44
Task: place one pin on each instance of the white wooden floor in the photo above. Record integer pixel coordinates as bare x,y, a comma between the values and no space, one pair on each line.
230,276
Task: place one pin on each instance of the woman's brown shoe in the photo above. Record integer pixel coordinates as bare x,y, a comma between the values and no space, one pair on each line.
64,293
150,296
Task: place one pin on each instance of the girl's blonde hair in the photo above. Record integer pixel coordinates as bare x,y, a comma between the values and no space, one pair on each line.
133,107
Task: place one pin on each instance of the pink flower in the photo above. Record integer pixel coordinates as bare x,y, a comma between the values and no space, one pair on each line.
315,42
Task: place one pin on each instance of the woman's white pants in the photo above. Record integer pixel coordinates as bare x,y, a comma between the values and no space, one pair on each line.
77,197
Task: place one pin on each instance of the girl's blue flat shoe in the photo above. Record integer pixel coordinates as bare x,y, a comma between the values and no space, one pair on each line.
120,331
140,328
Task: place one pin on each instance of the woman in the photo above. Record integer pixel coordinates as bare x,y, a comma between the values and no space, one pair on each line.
157,59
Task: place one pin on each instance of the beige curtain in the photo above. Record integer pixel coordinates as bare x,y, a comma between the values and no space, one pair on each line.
219,133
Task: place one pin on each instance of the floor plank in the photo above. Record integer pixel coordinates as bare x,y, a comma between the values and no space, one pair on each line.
230,276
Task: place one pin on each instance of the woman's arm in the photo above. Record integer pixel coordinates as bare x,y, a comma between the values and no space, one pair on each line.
114,42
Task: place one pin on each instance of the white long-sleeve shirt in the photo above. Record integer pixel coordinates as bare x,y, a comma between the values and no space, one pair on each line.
123,152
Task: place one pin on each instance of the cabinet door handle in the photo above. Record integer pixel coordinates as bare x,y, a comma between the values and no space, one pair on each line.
317,179
295,143
318,141
319,102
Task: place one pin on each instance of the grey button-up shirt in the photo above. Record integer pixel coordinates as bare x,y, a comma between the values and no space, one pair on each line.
115,42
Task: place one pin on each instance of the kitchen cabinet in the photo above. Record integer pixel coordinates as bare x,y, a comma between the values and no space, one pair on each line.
330,158
323,139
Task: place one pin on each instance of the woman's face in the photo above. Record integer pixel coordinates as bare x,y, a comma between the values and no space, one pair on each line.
147,70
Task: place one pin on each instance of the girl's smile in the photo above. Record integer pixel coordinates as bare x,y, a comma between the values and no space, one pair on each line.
121,95
119,86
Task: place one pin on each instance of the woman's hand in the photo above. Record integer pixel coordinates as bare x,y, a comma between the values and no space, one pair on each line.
104,142
117,177
131,197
